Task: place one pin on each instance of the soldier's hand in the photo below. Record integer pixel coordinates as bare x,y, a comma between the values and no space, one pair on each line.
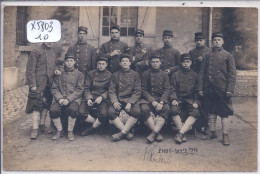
201,93
66,102
98,100
128,107
174,103
90,103
195,105
117,106
200,58
144,50
34,88
61,101
115,52
155,103
57,72
167,71
159,107
229,94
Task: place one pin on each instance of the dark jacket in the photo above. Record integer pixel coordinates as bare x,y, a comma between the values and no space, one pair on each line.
109,47
41,66
85,55
97,84
140,61
195,53
155,86
125,86
218,69
70,85
183,86
171,58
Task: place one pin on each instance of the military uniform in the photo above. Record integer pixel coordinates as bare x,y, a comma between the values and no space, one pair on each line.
96,85
155,87
40,70
85,55
217,76
125,87
195,53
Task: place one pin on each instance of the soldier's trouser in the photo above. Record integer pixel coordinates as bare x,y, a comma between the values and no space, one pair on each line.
184,106
147,108
134,111
44,101
97,110
57,111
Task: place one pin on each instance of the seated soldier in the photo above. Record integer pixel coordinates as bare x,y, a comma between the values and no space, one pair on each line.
67,90
155,94
184,98
124,94
95,105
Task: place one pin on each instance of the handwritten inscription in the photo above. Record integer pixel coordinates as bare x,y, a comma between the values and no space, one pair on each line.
43,31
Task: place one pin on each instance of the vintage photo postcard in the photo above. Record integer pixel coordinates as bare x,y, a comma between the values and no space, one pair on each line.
129,86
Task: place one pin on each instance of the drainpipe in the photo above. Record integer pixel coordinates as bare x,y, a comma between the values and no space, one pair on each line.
210,25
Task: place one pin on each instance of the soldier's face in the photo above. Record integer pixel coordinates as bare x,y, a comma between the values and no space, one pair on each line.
217,42
125,63
156,63
139,38
200,42
48,44
101,65
186,64
115,34
82,36
167,40
69,63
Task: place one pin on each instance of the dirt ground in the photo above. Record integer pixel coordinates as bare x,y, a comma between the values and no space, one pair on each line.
98,153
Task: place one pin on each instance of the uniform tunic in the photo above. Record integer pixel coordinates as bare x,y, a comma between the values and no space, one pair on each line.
85,55
183,89
41,66
218,76
69,85
195,54
96,85
141,59
125,87
171,58
107,48
155,87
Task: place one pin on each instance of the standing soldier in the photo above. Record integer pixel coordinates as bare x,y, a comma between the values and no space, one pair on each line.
67,90
95,106
84,53
113,49
124,94
41,67
155,94
216,83
170,57
139,53
197,55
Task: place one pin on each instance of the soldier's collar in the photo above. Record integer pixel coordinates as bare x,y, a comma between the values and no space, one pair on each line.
66,69
216,48
139,44
155,70
200,48
114,40
82,42
167,46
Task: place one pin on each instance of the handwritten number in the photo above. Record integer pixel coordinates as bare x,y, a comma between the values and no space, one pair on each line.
39,37
51,26
33,25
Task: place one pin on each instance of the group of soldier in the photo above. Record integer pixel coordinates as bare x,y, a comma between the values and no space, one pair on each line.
123,85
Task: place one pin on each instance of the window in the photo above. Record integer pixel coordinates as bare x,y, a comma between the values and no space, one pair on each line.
21,21
125,17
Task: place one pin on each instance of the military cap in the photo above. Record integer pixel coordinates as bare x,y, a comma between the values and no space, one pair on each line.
102,58
167,33
155,55
125,56
81,28
139,31
217,34
67,56
185,57
117,27
199,35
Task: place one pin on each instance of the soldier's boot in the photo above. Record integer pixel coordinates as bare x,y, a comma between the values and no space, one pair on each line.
58,125
71,124
186,127
130,134
42,120
118,136
151,137
160,121
128,125
184,138
87,131
119,125
211,135
178,138
150,123
71,136
212,127
159,137
225,140
35,124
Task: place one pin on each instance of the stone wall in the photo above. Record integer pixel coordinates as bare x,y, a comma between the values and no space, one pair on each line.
246,84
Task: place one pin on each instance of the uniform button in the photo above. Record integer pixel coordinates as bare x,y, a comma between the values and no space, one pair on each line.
209,76
77,50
